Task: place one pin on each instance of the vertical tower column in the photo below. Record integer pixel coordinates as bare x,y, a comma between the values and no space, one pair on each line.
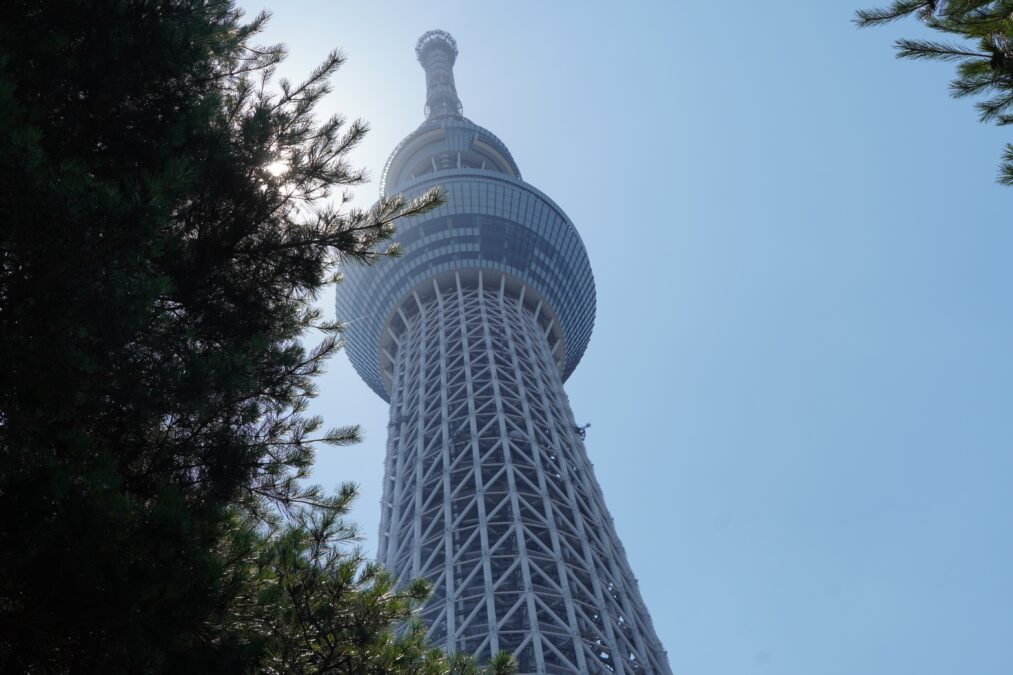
437,52
489,493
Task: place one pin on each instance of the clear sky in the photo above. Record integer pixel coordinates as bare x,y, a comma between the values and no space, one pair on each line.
801,377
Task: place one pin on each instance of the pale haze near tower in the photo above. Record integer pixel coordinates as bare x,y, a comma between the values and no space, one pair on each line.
799,381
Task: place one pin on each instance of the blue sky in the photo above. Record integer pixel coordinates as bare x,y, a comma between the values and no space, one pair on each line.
801,375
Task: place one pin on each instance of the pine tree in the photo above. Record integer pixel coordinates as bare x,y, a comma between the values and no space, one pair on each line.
169,214
313,604
984,54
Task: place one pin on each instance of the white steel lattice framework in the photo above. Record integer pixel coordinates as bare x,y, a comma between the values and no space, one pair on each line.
489,492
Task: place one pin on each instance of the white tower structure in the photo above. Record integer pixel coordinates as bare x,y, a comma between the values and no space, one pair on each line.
470,335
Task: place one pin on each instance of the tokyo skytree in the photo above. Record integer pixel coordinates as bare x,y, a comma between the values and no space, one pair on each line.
469,335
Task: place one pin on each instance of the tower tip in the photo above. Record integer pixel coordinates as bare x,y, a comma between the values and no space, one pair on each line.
436,38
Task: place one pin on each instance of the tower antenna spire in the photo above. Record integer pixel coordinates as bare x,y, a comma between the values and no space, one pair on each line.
436,50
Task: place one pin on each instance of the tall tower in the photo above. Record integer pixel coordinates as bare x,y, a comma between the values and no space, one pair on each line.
469,336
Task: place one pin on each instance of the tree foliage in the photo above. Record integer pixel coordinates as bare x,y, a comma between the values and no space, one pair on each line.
315,605
169,214
983,52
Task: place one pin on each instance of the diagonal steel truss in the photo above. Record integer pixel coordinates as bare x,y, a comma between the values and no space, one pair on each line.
489,492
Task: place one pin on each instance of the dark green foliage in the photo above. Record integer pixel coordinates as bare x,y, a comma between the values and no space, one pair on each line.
984,57
167,219
500,664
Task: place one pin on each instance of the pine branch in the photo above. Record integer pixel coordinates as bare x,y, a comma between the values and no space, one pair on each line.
993,108
986,71
1006,168
937,51
898,10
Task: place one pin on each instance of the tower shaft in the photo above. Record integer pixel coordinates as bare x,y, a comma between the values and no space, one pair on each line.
489,493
